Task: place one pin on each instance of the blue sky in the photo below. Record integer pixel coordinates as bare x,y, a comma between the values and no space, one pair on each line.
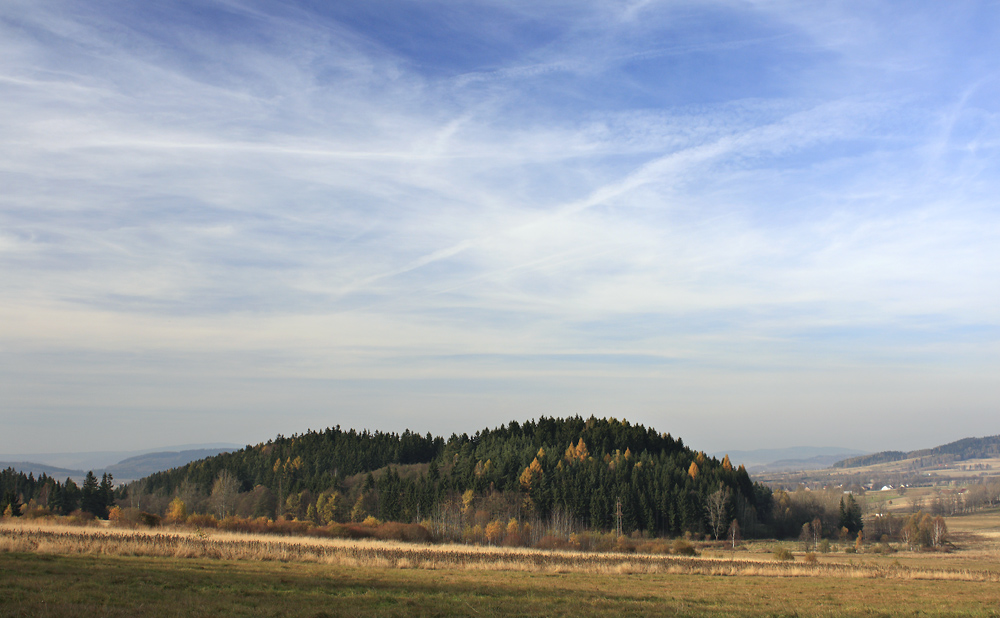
750,224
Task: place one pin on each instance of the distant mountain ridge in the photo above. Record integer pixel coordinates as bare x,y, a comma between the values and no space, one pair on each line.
130,468
101,460
37,469
789,458
959,450
143,465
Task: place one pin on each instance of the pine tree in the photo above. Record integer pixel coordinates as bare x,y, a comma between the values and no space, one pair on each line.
90,496
106,493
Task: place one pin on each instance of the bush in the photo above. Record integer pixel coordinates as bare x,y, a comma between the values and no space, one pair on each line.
37,512
410,533
625,545
783,554
810,558
552,542
199,520
233,523
343,531
658,546
148,519
824,546
79,518
288,526
133,518
683,548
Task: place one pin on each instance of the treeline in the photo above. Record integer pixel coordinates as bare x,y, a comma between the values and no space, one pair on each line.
568,474
22,494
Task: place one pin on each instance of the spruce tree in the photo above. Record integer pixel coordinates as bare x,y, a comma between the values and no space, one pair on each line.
90,497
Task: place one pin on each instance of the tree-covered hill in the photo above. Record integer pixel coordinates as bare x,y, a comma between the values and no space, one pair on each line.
596,473
959,450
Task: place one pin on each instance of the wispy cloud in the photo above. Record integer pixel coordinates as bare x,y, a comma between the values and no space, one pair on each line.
510,207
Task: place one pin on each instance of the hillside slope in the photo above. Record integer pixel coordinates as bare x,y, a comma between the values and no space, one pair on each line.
959,450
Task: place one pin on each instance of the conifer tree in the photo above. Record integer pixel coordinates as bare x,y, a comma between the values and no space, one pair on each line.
90,496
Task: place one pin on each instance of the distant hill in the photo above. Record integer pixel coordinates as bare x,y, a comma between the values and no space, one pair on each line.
38,469
791,465
600,473
136,464
143,465
960,450
790,458
102,460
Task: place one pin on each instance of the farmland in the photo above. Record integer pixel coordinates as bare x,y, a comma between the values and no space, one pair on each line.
71,571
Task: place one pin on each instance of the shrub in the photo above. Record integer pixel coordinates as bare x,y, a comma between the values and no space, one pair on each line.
410,533
625,544
288,526
810,558
36,512
232,523
148,519
552,542
371,521
684,548
132,518
79,518
824,546
783,554
658,546
343,531
199,520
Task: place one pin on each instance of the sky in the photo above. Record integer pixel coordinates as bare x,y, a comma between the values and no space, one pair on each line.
750,224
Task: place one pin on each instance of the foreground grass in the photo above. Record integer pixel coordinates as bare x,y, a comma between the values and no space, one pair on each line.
91,585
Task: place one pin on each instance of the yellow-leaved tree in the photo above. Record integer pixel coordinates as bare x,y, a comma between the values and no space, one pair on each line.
494,532
531,474
177,511
726,464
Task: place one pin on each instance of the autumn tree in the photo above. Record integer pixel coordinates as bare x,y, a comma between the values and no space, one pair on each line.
177,511
327,505
494,532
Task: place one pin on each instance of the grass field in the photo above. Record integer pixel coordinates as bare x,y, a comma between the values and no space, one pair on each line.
62,571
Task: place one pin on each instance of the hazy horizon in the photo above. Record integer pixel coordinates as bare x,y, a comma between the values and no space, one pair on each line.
751,225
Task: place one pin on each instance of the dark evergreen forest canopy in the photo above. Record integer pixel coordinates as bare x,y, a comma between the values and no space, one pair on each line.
594,473
19,492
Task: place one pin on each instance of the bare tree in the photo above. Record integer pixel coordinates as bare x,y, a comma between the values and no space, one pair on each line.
816,529
734,532
224,492
939,531
717,507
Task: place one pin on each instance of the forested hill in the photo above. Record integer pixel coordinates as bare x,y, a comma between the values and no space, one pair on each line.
960,450
575,468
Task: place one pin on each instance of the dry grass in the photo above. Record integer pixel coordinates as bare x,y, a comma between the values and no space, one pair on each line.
41,538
